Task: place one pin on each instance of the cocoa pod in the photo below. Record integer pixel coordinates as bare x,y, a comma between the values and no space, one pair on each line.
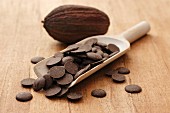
72,23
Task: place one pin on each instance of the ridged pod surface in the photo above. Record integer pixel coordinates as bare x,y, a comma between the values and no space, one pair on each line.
72,23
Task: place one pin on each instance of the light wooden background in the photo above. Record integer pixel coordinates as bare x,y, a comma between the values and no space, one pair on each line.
22,37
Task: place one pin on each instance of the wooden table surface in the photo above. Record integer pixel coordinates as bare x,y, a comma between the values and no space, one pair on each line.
23,37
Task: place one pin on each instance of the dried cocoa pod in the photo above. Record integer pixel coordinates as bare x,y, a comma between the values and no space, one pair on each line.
72,23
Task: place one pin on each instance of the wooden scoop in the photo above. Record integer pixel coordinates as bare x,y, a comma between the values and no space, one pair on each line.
122,41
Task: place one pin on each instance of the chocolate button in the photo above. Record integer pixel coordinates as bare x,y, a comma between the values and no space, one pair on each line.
48,81
39,84
118,78
133,88
57,71
24,96
82,49
94,56
123,70
74,96
67,79
59,54
53,91
67,58
71,67
99,93
28,82
113,47
37,59
53,61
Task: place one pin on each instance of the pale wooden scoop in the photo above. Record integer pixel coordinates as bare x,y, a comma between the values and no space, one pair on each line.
122,41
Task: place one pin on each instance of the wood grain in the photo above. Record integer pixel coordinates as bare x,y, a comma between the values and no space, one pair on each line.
23,37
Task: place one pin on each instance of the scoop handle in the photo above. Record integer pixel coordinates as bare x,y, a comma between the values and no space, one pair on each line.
136,31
